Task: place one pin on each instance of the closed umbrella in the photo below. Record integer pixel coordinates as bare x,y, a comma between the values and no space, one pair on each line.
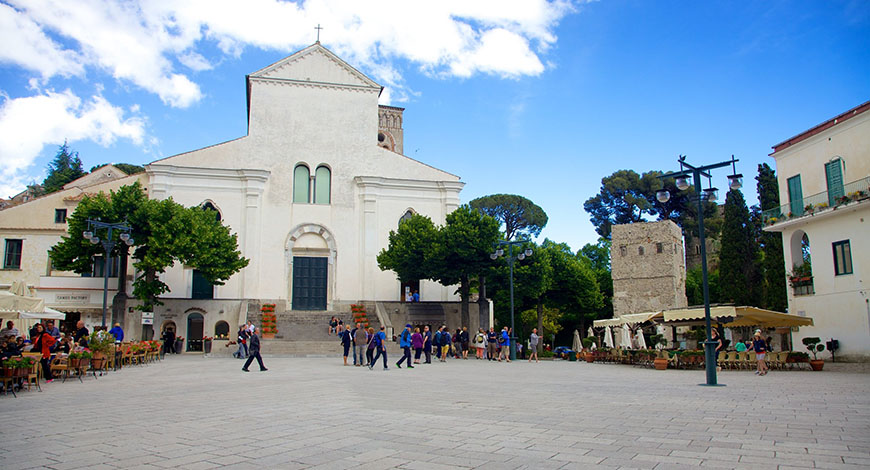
641,342
577,346
589,332
625,341
608,337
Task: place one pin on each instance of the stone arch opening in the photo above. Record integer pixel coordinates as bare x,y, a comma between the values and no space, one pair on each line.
195,330
310,253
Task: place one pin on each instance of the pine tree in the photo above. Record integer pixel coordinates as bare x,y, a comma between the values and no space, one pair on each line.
65,167
774,295
739,273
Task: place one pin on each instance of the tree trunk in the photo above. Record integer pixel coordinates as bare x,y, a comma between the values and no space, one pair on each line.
483,304
541,326
463,292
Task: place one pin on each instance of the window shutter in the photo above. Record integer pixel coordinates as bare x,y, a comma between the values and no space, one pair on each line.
795,195
834,176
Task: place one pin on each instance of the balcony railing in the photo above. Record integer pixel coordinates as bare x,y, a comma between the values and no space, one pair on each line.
854,191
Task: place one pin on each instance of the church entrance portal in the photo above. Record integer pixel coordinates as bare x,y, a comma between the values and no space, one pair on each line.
309,283
194,332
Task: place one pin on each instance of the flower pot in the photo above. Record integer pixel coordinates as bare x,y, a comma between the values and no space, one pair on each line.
207,346
268,335
590,357
660,363
817,364
179,346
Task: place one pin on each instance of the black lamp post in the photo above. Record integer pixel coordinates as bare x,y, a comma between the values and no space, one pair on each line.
108,244
499,251
681,179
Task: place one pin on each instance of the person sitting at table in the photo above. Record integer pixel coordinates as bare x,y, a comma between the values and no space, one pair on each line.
65,345
82,333
10,348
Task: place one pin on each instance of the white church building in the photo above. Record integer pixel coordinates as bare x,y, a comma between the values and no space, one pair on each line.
312,191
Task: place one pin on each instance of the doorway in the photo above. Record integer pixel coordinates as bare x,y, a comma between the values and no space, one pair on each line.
309,283
194,332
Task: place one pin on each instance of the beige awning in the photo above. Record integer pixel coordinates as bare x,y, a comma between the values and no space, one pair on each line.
630,318
10,302
731,316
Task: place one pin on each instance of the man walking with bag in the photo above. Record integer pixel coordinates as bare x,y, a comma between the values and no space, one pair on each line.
254,351
405,344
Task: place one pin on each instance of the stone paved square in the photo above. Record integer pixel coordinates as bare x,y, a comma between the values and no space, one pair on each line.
199,413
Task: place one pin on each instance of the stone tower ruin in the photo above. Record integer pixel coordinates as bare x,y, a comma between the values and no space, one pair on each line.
390,131
648,267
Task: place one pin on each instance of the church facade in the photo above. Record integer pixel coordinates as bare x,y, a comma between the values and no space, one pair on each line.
312,191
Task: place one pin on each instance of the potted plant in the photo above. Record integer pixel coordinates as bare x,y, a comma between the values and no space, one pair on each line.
18,367
268,321
796,357
815,346
801,275
587,344
80,359
809,208
659,340
179,344
206,344
101,344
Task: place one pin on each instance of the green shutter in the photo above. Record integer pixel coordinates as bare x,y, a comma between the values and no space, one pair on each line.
795,195
834,176
301,184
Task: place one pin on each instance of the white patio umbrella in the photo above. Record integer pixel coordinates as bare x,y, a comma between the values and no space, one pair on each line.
625,341
641,342
577,346
608,337
589,332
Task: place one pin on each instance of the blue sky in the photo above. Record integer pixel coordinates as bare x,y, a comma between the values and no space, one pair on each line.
530,97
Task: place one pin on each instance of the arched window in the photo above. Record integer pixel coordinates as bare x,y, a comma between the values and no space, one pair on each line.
221,329
208,206
322,184
408,214
301,184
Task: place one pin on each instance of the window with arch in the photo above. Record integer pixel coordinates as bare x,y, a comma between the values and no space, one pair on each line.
408,214
322,183
208,206
221,329
301,184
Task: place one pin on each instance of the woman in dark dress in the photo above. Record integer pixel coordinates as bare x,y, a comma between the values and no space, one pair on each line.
760,347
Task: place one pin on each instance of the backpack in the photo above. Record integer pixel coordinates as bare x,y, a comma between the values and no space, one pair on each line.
437,340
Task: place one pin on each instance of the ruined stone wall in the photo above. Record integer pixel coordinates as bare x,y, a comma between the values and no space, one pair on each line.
648,268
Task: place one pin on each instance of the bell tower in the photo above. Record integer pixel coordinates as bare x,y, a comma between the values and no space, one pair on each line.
390,133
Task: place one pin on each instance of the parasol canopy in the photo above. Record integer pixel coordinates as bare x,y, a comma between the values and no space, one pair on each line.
608,337
577,346
731,316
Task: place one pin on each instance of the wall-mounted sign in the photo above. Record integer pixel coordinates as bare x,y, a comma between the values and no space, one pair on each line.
72,298
147,321
148,315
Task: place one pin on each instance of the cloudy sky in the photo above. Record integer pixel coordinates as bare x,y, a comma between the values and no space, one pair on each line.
534,97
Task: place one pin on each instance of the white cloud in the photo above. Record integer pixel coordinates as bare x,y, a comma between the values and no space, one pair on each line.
28,124
25,44
142,41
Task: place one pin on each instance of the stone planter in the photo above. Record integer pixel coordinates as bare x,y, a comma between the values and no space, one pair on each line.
206,345
179,346
590,357
268,335
660,363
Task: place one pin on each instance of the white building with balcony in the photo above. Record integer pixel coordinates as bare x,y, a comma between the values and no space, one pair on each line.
824,188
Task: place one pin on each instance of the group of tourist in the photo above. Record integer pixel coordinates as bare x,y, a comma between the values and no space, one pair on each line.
758,344
368,345
45,338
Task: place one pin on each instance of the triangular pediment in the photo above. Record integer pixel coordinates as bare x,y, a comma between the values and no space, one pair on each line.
316,64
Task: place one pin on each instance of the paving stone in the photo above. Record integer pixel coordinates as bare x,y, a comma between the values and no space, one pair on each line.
195,413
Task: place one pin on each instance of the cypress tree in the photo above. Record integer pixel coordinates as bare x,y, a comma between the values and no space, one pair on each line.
774,295
739,272
65,167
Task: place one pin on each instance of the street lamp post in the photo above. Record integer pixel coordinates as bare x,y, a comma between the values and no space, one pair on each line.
709,194
108,244
499,251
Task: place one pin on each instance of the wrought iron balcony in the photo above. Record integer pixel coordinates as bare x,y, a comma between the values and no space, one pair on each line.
855,191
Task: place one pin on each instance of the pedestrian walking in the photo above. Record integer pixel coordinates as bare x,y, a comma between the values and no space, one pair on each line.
405,344
505,343
42,343
345,341
463,342
436,342
445,343
457,348
417,344
491,344
720,346
380,340
254,351
533,345
370,345
359,348
242,339
760,347
427,344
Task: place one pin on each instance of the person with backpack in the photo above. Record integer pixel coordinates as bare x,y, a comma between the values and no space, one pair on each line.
427,344
380,342
505,343
405,344
445,344
479,342
437,342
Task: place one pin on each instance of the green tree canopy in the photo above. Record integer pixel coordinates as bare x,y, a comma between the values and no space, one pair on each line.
164,231
519,215
739,274
774,295
65,167
626,197
411,249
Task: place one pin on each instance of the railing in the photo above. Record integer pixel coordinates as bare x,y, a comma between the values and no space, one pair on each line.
854,191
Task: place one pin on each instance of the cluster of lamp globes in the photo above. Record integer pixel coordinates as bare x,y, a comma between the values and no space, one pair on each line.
710,194
500,252
88,235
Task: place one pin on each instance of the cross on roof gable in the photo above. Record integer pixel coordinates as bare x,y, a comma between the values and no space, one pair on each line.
316,64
